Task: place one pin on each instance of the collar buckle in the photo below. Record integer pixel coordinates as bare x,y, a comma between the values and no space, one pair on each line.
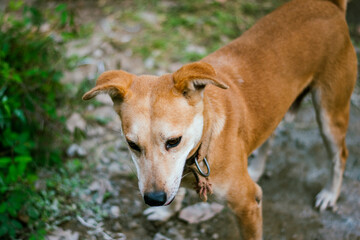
199,170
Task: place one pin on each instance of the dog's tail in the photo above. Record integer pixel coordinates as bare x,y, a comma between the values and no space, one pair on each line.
341,4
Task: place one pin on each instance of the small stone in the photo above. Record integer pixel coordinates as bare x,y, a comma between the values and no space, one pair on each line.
104,98
159,236
125,38
45,27
60,233
200,212
114,169
133,225
196,49
114,212
149,63
81,152
175,66
76,150
75,121
149,17
215,236
117,227
138,203
105,159
98,53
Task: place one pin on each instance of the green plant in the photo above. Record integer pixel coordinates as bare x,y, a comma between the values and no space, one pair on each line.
31,128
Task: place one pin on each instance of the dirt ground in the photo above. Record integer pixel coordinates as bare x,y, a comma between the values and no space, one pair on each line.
296,170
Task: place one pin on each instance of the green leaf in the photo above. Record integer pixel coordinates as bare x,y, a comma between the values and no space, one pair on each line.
3,207
60,7
20,114
21,169
17,78
15,5
4,161
2,91
64,17
33,212
3,229
12,174
23,159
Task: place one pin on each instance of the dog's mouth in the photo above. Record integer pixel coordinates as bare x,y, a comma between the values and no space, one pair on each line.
166,204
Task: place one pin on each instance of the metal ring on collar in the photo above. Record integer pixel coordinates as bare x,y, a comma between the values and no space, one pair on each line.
199,169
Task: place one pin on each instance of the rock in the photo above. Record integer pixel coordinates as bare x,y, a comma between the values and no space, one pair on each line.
149,63
100,186
133,225
114,169
95,131
125,38
98,53
175,234
92,222
117,227
215,236
105,159
75,121
45,27
104,112
149,17
104,98
175,66
159,236
114,212
196,49
133,28
200,212
76,151
60,234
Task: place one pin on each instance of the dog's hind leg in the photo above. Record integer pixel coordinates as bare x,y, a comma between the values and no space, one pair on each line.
164,213
257,164
331,97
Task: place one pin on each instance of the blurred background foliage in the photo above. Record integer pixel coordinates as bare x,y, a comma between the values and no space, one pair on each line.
32,132
34,102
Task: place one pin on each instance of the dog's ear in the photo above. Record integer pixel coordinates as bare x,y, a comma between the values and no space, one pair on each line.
116,83
195,77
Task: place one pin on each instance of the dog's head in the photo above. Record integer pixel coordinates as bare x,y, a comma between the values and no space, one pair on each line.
162,121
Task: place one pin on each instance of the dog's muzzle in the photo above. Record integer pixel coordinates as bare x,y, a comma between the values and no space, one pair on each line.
155,198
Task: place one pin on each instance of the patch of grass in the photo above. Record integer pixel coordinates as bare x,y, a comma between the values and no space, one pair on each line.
180,24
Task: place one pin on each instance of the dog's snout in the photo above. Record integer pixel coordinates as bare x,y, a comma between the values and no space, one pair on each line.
155,198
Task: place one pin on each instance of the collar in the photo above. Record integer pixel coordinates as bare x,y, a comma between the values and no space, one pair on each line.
193,160
203,186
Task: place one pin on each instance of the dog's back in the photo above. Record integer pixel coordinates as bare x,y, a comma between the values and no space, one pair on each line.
293,44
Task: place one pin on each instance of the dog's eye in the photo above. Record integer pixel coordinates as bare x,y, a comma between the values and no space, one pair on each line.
134,146
171,143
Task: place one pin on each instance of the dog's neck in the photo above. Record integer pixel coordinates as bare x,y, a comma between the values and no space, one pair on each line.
214,121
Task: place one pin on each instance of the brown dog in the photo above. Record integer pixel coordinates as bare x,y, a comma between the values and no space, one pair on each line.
226,105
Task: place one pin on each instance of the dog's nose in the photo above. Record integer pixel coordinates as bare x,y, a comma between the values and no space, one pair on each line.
155,198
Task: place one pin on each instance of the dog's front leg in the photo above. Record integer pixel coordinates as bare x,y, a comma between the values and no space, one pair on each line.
245,199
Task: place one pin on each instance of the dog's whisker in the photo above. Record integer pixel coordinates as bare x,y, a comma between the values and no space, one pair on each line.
185,175
133,171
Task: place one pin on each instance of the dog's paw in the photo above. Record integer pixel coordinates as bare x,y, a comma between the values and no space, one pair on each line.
326,199
160,214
